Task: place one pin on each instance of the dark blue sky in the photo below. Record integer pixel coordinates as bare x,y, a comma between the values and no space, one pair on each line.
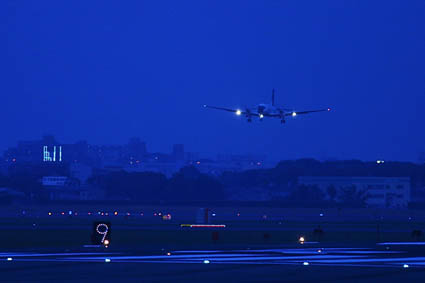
105,71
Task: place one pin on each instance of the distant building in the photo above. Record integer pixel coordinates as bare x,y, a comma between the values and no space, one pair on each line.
166,168
80,172
379,191
135,150
10,194
178,152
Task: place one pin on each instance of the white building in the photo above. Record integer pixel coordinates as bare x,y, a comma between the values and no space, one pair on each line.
57,181
380,191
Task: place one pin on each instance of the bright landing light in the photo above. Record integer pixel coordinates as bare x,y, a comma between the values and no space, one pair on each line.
238,112
294,114
261,116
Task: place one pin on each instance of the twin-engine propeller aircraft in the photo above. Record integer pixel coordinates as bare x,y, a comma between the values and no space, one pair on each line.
267,110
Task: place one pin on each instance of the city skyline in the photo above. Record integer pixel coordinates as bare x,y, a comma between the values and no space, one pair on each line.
137,69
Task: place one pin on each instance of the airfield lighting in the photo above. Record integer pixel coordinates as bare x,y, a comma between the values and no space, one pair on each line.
106,242
405,266
206,261
50,214
306,263
9,259
294,114
301,240
238,112
116,213
168,253
107,260
261,116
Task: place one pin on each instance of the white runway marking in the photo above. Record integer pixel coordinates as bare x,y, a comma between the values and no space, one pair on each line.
322,256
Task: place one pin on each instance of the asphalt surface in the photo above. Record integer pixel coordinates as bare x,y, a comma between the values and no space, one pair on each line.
387,262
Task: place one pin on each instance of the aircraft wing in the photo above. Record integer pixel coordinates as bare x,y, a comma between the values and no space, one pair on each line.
295,113
237,111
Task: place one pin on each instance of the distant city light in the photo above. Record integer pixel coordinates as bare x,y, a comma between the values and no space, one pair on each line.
47,155
301,240
305,263
107,260
238,112
206,261
321,214
50,213
115,213
405,266
380,161
261,116
9,259
106,242
294,114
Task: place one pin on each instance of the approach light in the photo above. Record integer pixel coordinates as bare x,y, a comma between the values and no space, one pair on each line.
238,112
294,114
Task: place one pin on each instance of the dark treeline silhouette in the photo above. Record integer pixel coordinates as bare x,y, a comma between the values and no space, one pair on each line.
186,185
190,185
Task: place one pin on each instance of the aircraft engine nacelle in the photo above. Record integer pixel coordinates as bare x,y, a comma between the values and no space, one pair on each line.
282,117
248,115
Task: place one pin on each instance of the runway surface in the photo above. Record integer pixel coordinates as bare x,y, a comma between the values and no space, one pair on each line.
387,261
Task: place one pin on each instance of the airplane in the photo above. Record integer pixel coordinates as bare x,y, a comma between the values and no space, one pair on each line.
267,110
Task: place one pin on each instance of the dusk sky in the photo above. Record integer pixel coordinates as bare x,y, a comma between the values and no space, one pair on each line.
105,71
